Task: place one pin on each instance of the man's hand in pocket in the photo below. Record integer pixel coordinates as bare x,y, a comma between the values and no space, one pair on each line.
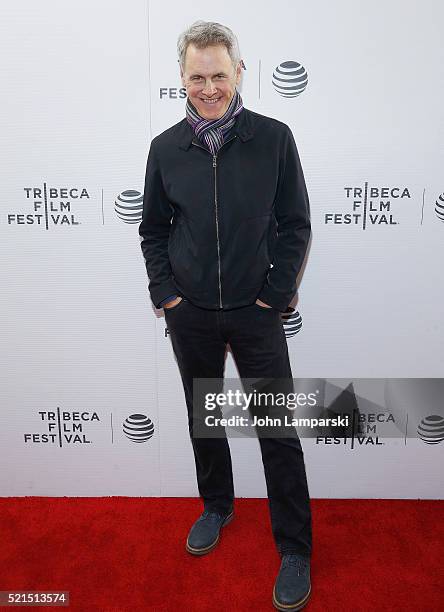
172,302
263,304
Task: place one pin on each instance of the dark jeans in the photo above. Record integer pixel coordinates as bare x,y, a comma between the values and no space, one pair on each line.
257,340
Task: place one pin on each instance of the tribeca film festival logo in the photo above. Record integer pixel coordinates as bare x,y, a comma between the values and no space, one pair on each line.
63,427
368,426
49,206
365,430
369,206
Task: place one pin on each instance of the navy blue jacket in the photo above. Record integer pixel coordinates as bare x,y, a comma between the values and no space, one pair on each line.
227,229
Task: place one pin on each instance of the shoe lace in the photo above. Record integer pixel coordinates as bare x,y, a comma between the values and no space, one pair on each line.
295,561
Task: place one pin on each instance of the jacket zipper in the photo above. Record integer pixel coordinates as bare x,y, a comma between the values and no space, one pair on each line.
216,211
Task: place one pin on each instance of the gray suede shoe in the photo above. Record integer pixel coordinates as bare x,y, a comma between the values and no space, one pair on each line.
292,587
204,534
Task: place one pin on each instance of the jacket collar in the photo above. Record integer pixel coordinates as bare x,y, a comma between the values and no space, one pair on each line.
243,127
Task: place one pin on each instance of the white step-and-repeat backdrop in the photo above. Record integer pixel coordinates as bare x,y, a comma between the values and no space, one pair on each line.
85,357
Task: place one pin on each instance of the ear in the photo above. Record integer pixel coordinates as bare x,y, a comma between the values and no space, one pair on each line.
238,73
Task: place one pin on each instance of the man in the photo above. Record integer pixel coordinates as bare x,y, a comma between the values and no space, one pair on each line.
224,232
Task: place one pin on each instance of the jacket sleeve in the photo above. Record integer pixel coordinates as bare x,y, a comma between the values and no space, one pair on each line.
292,212
154,231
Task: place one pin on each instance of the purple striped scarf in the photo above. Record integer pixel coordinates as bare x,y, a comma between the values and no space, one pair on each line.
211,132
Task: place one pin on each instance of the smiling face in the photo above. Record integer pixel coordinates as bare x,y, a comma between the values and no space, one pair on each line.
210,79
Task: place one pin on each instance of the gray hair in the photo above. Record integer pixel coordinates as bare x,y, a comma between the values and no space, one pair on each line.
205,33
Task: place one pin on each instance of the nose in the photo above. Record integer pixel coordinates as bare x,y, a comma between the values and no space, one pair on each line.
209,88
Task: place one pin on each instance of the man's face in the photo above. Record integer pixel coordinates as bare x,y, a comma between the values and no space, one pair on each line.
209,75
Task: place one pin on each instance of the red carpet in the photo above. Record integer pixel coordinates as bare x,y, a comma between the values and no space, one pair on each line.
127,554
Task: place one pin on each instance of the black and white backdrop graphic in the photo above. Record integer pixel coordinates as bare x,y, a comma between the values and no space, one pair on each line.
90,393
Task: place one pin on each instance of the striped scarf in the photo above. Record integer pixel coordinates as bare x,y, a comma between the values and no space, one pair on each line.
211,132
